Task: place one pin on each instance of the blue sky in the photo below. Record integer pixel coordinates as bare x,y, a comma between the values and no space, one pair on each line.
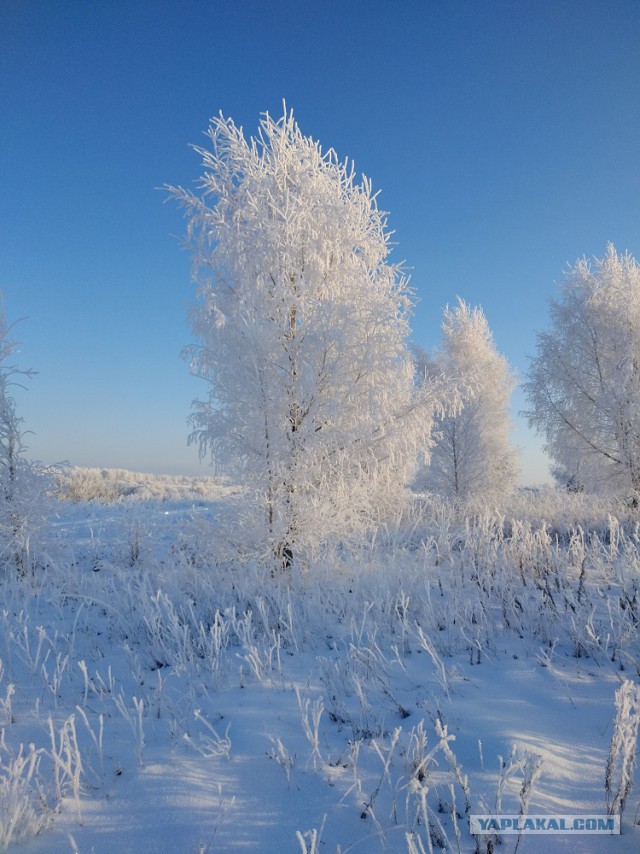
504,137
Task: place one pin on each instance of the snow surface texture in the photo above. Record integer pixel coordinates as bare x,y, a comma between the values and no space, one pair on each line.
158,697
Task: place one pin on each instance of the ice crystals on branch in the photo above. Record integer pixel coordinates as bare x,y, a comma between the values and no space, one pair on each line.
472,458
302,324
584,383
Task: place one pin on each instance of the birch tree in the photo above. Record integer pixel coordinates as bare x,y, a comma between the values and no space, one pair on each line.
302,324
583,385
472,457
23,484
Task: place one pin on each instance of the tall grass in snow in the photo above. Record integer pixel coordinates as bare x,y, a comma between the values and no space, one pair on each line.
374,630
621,762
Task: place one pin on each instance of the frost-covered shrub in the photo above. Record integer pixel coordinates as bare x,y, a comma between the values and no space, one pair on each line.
87,484
79,484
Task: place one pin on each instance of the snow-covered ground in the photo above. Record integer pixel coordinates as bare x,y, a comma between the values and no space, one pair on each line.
158,697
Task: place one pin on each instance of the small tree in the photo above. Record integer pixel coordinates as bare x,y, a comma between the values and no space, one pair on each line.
22,484
302,324
584,382
472,456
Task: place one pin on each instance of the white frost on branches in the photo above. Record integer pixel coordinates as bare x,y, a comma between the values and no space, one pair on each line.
584,383
23,484
621,761
472,457
302,324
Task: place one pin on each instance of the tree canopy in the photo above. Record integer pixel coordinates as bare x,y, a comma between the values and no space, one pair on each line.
302,324
472,457
583,386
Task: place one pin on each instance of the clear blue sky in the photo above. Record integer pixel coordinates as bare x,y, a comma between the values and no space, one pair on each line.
504,137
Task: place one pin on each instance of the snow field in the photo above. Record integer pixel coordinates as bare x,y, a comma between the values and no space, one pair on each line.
159,697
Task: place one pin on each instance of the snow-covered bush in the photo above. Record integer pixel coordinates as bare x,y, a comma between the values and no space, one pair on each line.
77,484
87,484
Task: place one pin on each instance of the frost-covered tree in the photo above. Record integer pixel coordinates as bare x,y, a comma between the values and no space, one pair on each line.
23,484
472,457
583,385
302,325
